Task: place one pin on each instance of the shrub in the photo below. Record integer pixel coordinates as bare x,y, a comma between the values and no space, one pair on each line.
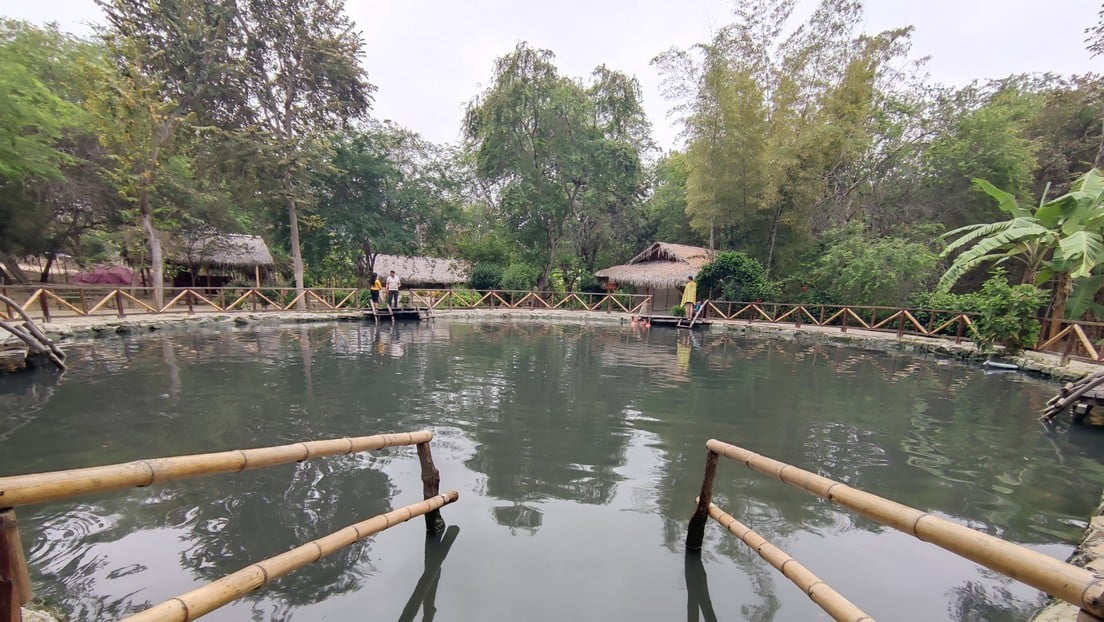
486,276
734,276
520,276
677,310
1008,315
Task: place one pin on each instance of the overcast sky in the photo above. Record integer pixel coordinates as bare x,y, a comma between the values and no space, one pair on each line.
429,58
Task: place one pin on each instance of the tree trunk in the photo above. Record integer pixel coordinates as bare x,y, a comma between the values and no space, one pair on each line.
157,264
773,235
12,266
1058,311
296,254
45,276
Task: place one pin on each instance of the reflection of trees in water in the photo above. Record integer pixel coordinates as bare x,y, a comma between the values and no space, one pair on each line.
973,601
230,531
548,426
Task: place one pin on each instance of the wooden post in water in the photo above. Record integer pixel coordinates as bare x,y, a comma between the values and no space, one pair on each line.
431,484
15,583
695,534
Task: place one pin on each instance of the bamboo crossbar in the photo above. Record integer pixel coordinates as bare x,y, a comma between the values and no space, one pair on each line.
1070,583
207,598
828,599
22,490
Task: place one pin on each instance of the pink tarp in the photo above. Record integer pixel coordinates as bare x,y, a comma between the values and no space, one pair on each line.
105,275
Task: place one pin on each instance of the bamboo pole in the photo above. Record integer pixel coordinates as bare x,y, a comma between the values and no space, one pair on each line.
1070,583
207,598
828,599
39,487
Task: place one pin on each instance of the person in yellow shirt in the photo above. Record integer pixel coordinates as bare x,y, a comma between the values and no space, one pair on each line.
689,297
376,287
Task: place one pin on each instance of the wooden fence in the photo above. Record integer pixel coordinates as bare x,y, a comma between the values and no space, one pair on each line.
1081,340
21,490
1072,584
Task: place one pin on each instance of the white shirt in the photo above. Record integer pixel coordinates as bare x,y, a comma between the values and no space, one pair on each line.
393,282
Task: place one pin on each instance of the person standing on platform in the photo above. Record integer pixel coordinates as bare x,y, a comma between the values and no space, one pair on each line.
689,297
376,287
393,285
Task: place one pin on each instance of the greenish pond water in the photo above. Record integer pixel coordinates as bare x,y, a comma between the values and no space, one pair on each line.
577,451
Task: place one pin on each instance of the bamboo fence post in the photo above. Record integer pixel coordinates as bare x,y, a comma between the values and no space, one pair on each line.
222,298
828,599
205,599
1075,585
931,321
821,321
188,299
84,301
695,533
1067,350
119,304
7,305
431,484
958,332
20,490
42,302
843,328
900,324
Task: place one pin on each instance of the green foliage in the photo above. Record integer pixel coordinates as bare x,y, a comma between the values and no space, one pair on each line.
678,311
520,276
859,269
1008,315
486,276
734,276
566,158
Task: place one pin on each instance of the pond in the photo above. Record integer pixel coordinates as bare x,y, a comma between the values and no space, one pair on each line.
577,451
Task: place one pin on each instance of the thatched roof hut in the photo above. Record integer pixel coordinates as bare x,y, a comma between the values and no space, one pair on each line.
224,251
423,271
660,266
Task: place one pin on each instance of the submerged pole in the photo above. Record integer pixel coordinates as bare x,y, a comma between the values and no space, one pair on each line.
431,483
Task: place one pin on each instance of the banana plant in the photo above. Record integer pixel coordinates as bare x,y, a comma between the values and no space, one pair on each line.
1061,240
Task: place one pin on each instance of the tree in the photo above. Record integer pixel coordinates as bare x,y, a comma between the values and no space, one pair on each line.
554,150
301,76
33,119
1061,240
777,118
853,267
388,191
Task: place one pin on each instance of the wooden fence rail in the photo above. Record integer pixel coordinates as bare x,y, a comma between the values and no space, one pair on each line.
1081,340
22,490
1072,584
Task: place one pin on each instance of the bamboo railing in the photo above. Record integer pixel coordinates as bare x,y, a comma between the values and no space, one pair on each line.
1074,339
22,490
207,598
1072,584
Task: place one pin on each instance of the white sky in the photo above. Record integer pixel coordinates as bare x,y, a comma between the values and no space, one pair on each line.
429,58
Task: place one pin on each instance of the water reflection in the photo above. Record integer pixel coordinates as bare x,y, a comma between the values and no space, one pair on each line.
566,442
424,596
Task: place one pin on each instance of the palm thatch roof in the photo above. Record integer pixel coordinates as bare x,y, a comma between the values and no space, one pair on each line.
423,271
218,250
659,266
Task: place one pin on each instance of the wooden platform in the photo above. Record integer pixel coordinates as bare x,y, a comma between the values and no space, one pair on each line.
398,313
674,321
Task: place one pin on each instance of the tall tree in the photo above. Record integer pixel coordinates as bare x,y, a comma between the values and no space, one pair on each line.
554,150
777,118
301,77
